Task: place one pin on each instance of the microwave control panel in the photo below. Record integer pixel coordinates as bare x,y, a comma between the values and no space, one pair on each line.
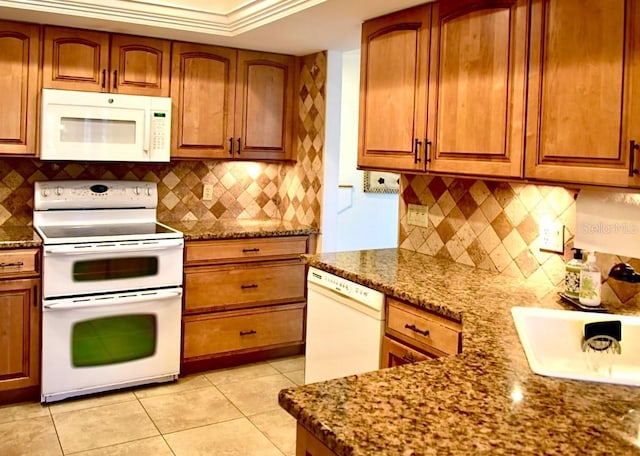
159,130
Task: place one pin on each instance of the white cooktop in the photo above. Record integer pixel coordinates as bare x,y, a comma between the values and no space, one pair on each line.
67,212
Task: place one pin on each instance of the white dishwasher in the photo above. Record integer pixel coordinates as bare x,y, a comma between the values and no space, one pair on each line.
345,326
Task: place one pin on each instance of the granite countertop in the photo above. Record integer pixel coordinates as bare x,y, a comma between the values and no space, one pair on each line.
238,229
485,400
16,237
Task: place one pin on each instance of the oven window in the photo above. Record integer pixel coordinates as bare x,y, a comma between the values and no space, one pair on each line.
114,268
112,340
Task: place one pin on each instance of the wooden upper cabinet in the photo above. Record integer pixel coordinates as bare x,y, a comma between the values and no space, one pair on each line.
582,112
393,90
231,104
20,51
264,105
140,66
100,62
202,95
477,87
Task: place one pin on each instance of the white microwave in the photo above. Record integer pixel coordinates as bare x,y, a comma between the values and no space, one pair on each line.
90,126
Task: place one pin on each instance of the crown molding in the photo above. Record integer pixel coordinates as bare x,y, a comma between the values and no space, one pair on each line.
247,16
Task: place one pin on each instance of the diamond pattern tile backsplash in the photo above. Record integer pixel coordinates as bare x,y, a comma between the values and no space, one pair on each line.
244,190
494,226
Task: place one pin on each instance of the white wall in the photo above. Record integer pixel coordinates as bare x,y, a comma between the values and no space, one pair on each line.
364,220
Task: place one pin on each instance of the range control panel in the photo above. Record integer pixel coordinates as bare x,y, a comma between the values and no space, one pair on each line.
103,194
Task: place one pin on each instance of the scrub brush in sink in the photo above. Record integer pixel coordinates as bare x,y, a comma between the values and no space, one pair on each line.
602,337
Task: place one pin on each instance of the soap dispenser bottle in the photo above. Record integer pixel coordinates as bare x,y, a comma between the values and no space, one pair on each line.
590,282
572,275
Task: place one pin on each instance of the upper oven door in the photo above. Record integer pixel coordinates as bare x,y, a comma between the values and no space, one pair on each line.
78,269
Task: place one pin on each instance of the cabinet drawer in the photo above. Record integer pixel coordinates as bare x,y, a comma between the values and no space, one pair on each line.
242,331
18,263
239,286
422,328
236,250
396,354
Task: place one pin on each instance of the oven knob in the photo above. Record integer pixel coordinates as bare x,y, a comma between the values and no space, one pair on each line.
148,191
44,192
58,190
137,190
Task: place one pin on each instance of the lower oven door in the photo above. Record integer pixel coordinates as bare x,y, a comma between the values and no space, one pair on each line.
103,342
93,268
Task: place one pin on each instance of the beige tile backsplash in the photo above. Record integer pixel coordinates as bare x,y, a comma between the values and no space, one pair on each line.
494,226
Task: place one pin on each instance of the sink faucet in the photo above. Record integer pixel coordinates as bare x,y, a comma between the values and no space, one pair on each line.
624,272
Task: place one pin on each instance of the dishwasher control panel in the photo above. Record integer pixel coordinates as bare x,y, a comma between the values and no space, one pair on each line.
352,290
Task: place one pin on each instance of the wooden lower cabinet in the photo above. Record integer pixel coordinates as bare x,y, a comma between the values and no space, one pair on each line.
244,300
221,333
396,354
308,445
413,334
19,325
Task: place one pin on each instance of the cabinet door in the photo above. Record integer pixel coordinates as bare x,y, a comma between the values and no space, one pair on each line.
19,334
397,354
20,51
140,66
393,91
76,60
477,89
264,106
202,93
582,113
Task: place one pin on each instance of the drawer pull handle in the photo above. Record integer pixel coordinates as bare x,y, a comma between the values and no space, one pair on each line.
17,264
424,332
248,333
409,358
246,287
254,250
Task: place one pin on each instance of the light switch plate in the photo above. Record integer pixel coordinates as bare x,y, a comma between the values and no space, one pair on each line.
207,192
551,237
418,215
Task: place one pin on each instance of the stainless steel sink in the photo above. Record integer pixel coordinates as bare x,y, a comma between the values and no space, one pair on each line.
553,341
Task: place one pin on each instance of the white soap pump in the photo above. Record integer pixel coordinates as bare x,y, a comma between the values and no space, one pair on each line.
590,282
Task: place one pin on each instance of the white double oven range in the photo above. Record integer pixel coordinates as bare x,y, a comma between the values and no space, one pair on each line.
111,287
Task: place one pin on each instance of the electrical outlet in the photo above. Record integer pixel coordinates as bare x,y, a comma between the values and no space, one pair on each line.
418,215
207,192
551,237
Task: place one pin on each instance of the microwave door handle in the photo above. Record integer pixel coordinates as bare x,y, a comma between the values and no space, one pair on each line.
68,304
146,146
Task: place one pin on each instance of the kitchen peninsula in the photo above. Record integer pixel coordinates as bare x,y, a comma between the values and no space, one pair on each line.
485,400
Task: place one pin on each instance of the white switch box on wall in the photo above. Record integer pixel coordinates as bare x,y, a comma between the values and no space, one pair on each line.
207,192
418,215
551,237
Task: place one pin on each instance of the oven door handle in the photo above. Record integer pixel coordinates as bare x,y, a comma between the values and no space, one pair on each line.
118,248
83,303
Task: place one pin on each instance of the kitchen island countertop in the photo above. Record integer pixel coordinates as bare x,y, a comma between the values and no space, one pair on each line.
240,229
18,237
485,400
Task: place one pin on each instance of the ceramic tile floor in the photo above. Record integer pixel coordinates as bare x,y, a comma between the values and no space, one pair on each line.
224,412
